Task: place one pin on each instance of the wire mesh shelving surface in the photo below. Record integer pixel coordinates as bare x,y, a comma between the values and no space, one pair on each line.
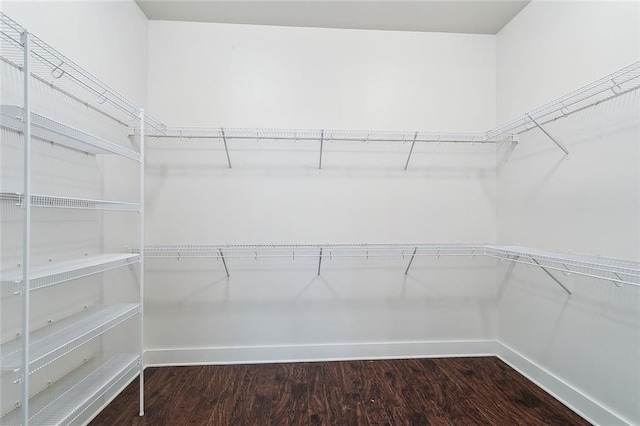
615,270
317,135
65,400
55,340
11,117
611,86
260,251
50,201
58,272
52,68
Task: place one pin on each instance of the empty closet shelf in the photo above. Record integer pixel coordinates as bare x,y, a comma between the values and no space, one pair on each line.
49,343
66,399
608,87
293,251
319,135
58,272
615,270
49,201
49,130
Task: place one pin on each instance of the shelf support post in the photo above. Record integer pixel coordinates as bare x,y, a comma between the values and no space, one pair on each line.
566,152
142,238
321,143
551,275
26,243
223,262
406,271
320,261
415,136
226,149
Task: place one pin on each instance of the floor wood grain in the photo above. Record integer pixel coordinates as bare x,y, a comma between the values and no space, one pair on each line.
446,391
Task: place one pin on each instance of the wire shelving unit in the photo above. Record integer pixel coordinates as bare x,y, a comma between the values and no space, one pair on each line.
68,398
53,273
42,65
49,343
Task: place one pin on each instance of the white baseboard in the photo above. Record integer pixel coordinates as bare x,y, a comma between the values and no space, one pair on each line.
554,385
320,352
562,391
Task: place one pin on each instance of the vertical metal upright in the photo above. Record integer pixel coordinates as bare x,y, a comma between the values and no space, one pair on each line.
26,243
142,161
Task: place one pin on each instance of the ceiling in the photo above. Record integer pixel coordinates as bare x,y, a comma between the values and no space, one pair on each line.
452,16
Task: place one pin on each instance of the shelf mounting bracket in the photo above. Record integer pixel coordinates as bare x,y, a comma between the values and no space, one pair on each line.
554,140
320,261
406,271
321,143
551,275
415,136
226,149
224,263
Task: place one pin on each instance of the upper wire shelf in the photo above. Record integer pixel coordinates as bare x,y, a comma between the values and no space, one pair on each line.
49,343
615,270
49,201
608,87
317,135
53,273
69,397
59,72
11,117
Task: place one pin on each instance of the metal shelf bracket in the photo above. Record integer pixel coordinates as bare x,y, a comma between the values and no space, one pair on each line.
226,149
551,275
559,145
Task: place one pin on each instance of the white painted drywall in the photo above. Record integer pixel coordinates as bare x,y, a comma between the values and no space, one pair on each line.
586,203
238,75
85,32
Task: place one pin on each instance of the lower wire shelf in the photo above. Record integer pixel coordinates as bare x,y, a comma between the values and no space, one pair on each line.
49,343
67,399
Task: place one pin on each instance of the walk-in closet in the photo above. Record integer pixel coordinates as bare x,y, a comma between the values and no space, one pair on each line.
309,212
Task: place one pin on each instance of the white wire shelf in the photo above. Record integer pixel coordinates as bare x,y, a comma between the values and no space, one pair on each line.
57,71
58,272
614,270
260,251
611,86
49,343
69,397
50,201
317,135
11,117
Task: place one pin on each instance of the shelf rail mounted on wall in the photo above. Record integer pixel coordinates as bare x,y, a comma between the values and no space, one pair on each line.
604,89
69,397
319,136
619,272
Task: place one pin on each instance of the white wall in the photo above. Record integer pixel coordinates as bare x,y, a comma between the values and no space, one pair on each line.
85,32
586,203
237,75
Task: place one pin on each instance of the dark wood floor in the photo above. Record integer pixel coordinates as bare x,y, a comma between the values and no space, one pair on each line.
448,391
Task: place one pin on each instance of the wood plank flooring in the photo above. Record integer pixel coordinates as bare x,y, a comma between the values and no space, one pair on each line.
447,391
